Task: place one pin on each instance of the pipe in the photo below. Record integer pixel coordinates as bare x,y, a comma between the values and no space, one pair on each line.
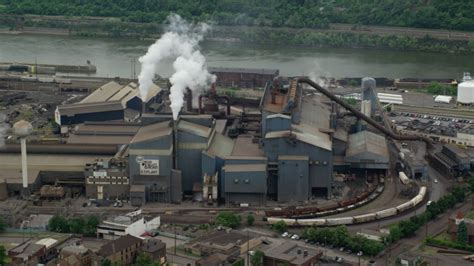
24,168
200,104
227,99
360,115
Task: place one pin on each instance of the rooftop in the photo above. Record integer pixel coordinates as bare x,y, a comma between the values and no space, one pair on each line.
153,245
293,253
221,146
195,129
366,141
315,138
116,246
244,146
152,131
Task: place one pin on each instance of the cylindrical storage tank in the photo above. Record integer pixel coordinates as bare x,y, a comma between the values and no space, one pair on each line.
339,221
386,213
364,218
466,92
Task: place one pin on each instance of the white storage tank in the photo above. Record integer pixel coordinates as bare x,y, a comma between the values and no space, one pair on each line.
466,92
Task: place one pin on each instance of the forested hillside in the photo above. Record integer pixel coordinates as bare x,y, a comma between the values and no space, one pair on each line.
436,14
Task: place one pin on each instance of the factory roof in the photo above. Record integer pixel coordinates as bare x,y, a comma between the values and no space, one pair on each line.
98,139
319,139
293,253
279,115
152,131
106,128
221,125
246,168
366,141
103,93
221,146
92,107
10,164
193,128
314,113
244,146
262,71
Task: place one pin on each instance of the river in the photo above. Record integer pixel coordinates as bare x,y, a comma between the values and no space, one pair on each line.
113,57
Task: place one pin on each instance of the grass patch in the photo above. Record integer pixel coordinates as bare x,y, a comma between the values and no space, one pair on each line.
470,214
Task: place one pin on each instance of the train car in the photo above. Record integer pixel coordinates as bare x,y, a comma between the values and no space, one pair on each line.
311,222
386,213
365,217
405,206
289,222
344,203
328,207
339,221
422,192
403,178
416,200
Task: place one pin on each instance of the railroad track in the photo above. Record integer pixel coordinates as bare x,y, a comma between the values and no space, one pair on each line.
447,112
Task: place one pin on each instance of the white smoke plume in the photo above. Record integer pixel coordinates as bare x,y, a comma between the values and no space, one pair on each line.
180,43
319,76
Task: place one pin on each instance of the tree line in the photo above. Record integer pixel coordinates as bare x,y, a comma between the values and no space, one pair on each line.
435,14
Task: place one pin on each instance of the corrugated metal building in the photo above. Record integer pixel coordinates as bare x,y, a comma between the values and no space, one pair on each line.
367,150
293,125
112,101
243,77
151,161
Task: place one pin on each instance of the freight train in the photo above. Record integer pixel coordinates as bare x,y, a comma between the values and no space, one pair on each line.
332,208
362,218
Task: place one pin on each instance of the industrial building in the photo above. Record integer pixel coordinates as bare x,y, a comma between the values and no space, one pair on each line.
243,77
286,150
112,101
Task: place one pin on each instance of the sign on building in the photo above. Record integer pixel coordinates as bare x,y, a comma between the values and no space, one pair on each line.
149,167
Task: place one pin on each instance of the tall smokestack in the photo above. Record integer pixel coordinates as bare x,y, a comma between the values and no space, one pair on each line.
175,143
23,129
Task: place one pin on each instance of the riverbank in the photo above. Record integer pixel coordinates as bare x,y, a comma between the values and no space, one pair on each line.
337,35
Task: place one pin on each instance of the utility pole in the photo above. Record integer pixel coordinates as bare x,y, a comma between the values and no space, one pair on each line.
248,247
174,225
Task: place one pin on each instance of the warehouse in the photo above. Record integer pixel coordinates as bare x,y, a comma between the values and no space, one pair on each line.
243,77
112,101
367,150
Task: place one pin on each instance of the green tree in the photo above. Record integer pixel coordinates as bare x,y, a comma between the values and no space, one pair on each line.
462,235
228,219
257,258
145,260
3,255
250,220
105,262
58,224
76,225
280,227
3,225
90,227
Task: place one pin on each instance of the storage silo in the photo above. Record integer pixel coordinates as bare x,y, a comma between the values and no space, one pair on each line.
466,92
